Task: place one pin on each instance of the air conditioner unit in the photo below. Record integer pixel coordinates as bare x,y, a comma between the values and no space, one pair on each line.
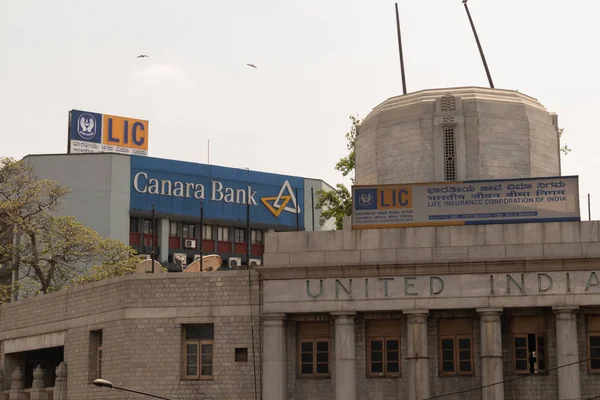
234,262
196,257
189,244
146,256
255,262
180,258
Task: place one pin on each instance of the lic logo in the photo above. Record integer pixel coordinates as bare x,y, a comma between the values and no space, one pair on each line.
86,126
366,199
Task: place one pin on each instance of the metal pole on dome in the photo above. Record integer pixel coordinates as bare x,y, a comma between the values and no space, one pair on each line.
400,51
487,71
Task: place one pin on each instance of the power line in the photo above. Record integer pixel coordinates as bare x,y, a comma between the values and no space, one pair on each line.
506,381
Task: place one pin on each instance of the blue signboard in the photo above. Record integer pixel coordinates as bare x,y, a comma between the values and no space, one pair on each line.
177,187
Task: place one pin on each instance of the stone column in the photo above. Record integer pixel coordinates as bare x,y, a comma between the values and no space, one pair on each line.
491,353
567,351
417,354
163,239
345,356
274,385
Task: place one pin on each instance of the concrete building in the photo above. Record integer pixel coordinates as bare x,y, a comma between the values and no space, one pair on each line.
114,195
444,311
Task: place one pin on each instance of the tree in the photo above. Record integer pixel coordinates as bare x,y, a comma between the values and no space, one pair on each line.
49,251
564,148
337,203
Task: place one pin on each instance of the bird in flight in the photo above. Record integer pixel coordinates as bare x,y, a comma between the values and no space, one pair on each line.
142,56
252,65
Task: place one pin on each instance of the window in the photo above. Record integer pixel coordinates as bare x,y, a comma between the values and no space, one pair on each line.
455,346
257,237
383,350
189,231
198,351
240,235
147,226
313,349
529,340
173,229
223,234
593,339
449,154
95,355
134,225
207,232
241,354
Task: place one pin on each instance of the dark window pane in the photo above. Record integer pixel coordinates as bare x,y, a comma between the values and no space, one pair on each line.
448,366
191,370
393,367
540,352
464,343
521,365
322,357
192,349
447,344
540,340
465,366
306,347
376,345
541,364
594,340
595,352
595,364
377,367
521,353
322,368
206,370
391,345
465,354
307,368
307,357
392,356
520,342
447,355
377,356
199,331
322,346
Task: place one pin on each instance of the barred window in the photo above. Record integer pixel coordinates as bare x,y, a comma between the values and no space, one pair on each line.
313,349
383,352
593,339
455,346
198,351
449,154
95,371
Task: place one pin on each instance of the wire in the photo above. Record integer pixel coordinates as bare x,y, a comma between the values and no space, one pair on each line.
505,381
252,330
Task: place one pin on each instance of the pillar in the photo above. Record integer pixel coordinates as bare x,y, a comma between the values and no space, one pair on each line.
274,385
163,240
491,353
345,356
567,351
417,354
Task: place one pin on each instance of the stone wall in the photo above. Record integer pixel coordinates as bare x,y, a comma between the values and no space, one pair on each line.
442,244
141,317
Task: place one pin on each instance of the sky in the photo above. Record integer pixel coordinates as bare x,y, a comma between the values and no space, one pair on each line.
319,61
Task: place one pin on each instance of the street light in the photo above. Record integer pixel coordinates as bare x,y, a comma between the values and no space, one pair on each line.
108,384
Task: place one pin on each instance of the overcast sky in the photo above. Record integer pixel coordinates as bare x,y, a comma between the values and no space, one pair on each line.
318,62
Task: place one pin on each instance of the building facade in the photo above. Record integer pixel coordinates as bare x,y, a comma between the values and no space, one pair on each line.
114,194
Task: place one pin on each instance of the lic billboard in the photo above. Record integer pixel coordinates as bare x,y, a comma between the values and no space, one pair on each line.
466,203
176,188
91,132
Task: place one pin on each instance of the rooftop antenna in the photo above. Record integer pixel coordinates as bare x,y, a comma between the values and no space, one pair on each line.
400,51
487,71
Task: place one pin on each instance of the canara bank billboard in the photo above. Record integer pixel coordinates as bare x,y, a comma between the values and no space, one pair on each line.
91,132
176,188
466,203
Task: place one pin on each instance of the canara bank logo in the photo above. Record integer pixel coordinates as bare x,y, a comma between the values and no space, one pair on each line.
282,202
86,126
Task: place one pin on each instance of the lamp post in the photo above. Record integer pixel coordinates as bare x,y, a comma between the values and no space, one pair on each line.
108,384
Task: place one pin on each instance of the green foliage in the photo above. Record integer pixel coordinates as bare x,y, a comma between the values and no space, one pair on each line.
337,203
48,251
563,148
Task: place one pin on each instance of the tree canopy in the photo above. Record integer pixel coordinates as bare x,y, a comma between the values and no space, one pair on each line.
48,251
